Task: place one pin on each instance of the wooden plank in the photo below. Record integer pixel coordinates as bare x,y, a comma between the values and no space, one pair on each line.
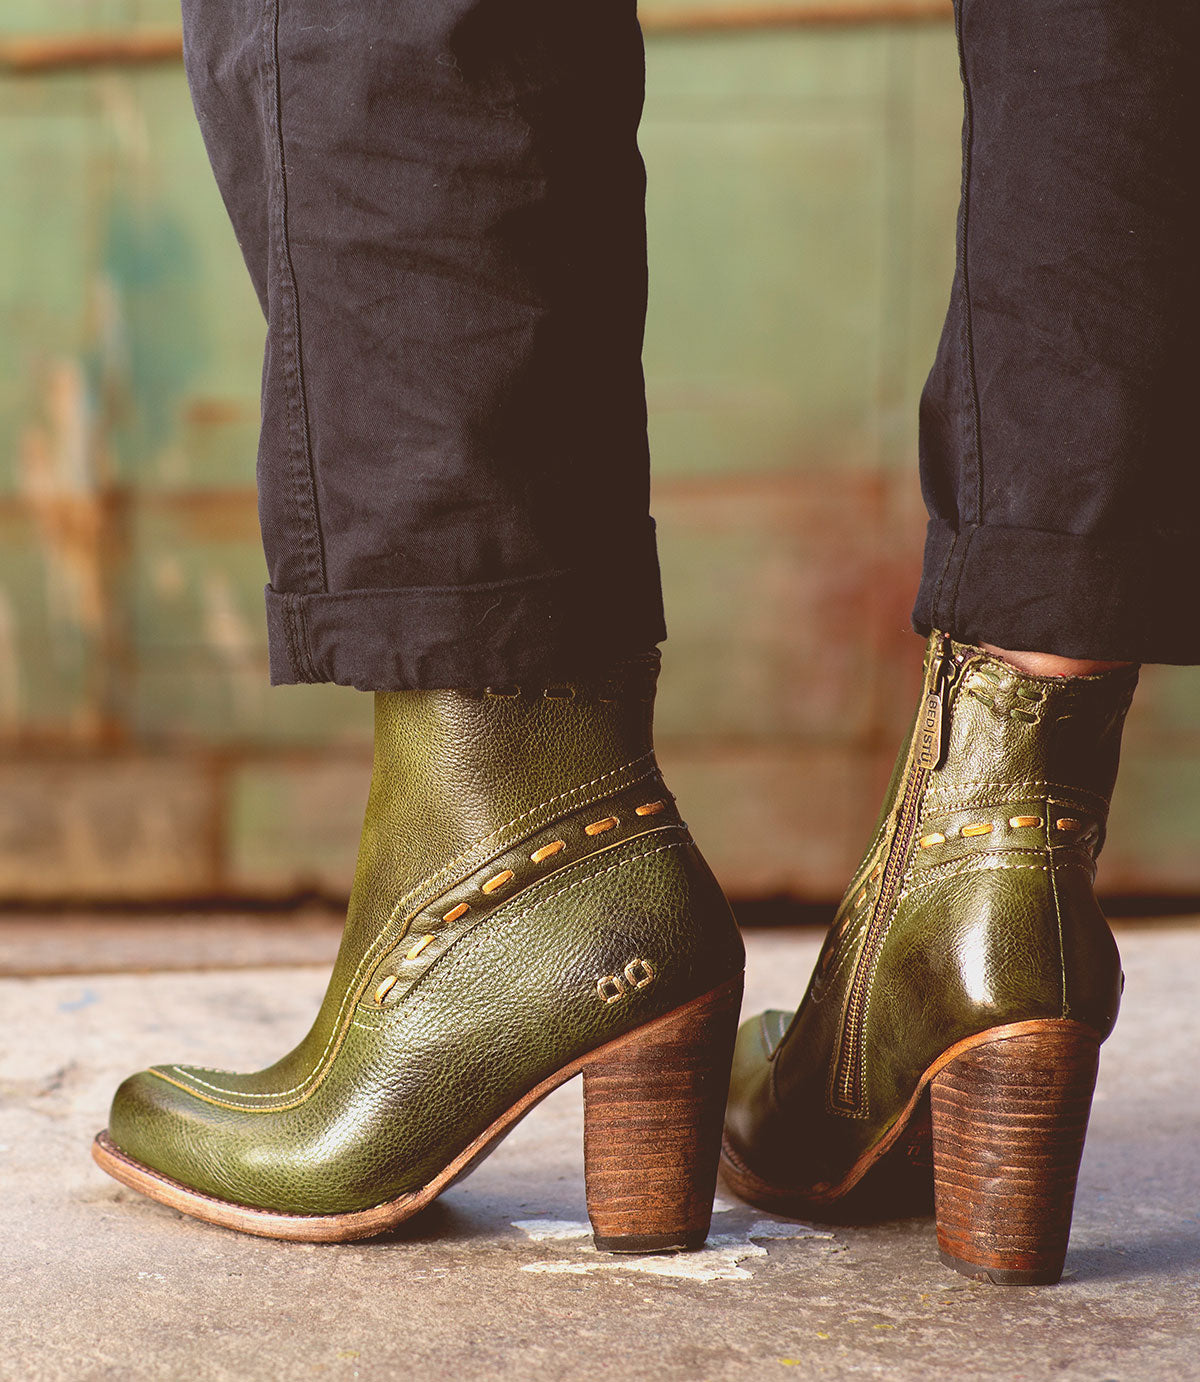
56,52
793,14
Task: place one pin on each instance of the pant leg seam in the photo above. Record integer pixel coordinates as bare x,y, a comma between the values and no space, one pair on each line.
958,575
309,665
289,628
970,381
937,594
303,476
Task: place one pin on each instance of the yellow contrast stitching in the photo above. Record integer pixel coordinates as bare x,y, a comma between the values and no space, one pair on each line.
982,863
385,939
231,1094
955,787
949,807
386,986
863,877
998,851
381,941
851,951
524,816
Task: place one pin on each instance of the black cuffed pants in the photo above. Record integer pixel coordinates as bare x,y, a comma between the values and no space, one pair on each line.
441,206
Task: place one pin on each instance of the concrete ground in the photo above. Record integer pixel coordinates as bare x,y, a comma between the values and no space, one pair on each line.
498,1279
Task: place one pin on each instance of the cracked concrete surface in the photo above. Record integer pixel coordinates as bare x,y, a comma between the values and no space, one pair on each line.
499,1280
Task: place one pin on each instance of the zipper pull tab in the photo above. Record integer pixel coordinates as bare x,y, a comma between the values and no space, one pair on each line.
933,723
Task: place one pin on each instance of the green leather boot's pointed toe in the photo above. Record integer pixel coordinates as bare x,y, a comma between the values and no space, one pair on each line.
950,1033
528,905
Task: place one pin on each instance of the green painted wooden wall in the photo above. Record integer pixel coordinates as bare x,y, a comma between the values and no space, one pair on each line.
803,187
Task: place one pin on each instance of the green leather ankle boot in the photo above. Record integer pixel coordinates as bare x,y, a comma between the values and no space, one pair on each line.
958,1005
528,905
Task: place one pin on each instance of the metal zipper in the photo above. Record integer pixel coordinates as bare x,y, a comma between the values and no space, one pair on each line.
929,749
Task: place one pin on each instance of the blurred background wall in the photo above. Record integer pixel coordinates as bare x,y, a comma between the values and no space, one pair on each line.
803,190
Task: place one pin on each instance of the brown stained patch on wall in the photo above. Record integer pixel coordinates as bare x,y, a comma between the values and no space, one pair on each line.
208,515
58,481
79,522
771,584
229,634
104,827
10,668
217,412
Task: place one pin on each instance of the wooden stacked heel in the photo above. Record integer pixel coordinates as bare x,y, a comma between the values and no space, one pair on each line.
653,1108
1009,1118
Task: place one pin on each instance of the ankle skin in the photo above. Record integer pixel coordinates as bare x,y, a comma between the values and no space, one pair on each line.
1050,664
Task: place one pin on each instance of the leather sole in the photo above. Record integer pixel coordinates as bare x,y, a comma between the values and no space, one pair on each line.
653,1102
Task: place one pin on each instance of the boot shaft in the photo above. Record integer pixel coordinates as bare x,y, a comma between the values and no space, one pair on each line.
455,770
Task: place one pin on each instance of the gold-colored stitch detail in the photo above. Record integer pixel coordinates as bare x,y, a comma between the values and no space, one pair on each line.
385,987
599,827
1022,822
639,973
455,912
189,1081
420,945
651,808
318,1071
1068,823
937,877
609,989
928,841
982,828
547,851
498,882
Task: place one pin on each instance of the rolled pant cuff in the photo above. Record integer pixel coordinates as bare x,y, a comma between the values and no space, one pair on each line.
1081,597
468,637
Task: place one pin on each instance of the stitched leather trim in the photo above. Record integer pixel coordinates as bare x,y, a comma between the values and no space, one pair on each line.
232,1098
393,930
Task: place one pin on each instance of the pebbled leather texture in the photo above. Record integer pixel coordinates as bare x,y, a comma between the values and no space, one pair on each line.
993,919
469,970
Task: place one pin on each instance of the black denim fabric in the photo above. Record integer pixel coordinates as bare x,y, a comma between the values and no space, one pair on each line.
1059,453
442,209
